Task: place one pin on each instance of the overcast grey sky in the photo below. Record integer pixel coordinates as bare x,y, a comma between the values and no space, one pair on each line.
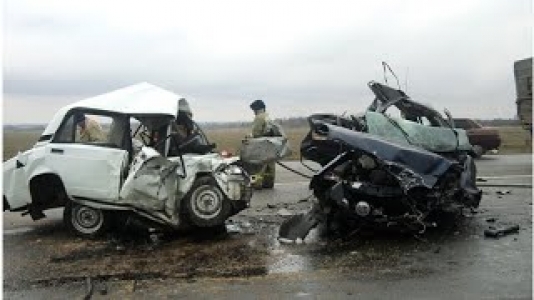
301,57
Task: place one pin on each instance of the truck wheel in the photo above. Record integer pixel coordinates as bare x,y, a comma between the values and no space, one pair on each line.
478,151
205,204
84,220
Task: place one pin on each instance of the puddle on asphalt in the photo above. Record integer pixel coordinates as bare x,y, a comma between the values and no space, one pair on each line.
291,263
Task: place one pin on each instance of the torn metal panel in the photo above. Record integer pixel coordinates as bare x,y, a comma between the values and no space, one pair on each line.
157,185
151,184
15,181
264,150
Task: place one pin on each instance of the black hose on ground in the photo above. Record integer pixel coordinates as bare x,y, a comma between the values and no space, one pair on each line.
293,170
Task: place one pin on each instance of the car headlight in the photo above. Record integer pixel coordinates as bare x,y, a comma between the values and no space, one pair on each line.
234,170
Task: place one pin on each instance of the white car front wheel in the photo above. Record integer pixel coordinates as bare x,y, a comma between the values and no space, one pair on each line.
84,220
206,205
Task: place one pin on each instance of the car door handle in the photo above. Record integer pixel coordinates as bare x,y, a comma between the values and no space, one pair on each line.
56,150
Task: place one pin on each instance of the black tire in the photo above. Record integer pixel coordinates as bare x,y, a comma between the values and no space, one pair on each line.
6,204
268,182
205,204
85,221
478,151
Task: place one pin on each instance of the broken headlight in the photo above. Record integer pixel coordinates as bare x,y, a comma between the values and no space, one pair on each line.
234,170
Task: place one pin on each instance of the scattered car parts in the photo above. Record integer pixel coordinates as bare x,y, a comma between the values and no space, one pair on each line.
496,232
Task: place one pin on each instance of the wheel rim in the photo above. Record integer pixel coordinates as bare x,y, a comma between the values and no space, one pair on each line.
86,220
478,150
206,202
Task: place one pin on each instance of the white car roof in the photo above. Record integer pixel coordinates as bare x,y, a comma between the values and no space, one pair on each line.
138,99
141,98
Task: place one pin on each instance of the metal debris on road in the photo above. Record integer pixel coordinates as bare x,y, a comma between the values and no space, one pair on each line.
496,232
284,212
232,228
90,288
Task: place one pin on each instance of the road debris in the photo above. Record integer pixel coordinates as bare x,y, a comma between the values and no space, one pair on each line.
232,228
496,232
504,192
89,287
284,212
103,289
236,227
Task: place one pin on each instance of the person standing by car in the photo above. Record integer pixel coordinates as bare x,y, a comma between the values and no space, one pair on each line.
262,175
88,129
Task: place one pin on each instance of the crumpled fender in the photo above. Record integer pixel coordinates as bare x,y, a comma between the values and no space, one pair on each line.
214,165
264,150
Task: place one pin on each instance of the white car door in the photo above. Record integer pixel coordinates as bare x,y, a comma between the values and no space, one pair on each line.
88,171
88,153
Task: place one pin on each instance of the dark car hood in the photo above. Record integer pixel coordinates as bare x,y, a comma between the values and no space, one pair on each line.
428,165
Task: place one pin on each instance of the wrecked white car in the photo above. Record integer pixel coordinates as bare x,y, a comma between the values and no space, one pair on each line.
126,151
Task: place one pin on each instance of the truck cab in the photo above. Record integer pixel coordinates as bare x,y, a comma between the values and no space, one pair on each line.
523,86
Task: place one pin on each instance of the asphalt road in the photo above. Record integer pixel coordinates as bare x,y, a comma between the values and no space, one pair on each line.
42,260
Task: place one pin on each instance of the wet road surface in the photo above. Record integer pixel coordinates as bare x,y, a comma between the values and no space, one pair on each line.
43,260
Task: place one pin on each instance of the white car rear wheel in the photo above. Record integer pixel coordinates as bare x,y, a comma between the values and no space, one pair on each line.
84,220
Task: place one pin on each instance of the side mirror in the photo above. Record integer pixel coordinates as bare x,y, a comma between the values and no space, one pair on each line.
450,120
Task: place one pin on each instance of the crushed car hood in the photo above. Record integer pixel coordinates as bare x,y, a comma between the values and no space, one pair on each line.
428,165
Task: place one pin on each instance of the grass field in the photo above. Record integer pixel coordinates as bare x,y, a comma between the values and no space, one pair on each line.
18,140
514,140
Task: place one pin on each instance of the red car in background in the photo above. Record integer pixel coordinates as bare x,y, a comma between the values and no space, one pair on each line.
482,138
